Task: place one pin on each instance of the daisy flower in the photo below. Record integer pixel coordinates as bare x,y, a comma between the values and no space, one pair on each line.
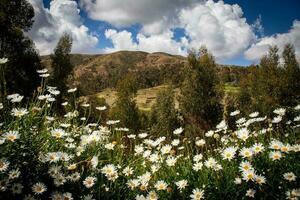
89,181
127,171
280,111
222,125
197,194
277,119
237,181
161,185
101,108
11,135
250,193
246,152
197,166
234,113
209,133
248,175
152,195
94,161
178,131
39,188
13,174
229,153
3,60
72,90
275,155
58,133
133,183
260,179
245,166
19,112
171,161
42,71
257,148
243,134
166,149
285,148
109,146
275,144
181,184
175,142
289,176
200,142
254,114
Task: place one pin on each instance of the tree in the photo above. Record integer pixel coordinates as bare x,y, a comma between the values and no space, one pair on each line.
163,116
200,91
264,84
245,96
16,17
291,78
61,65
125,109
61,62
273,84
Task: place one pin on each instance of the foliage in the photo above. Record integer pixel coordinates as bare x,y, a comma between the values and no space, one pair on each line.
61,65
200,100
272,84
291,78
125,109
16,17
164,118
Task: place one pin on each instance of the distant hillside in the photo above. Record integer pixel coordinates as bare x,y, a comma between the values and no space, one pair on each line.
94,73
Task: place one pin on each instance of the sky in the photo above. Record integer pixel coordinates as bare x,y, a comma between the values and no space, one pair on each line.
235,32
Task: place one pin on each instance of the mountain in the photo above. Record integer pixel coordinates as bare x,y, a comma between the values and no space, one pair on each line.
93,73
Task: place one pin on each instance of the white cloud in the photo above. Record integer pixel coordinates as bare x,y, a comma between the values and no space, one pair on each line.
258,49
123,40
62,16
219,26
155,15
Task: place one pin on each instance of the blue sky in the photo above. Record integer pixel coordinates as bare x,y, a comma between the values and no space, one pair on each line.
236,34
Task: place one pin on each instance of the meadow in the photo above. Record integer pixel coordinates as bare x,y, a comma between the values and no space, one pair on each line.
46,156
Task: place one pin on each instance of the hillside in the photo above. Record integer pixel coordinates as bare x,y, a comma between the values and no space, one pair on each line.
93,73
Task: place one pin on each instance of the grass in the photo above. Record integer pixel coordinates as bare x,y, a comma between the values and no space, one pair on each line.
146,98
231,89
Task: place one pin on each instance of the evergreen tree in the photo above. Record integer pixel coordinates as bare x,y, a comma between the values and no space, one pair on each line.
163,116
291,78
266,84
245,96
61,65
16,17
200,93
272,84
125,108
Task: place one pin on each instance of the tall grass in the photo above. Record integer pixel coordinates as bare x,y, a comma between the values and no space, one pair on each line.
43,155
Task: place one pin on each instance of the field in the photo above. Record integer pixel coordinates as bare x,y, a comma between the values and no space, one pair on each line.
146,98
44,156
